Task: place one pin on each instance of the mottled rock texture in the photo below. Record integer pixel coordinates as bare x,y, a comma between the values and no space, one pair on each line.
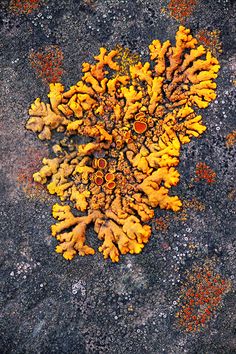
90,305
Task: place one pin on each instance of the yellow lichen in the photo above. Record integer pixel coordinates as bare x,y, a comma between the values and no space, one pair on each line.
137,117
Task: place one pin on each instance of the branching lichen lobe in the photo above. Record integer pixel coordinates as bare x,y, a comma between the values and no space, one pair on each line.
137,122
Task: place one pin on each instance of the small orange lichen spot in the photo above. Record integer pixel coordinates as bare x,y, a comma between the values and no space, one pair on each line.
25,167
24,7
205,173
136,117
181,9
211,40
201,295
162,224
231,139
140,127
188,207
102,163
232,195
47,63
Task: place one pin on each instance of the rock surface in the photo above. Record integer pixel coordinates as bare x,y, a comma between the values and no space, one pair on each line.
90,305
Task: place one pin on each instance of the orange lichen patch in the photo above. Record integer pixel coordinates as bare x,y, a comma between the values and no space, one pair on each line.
231,139
211,40
157,98
181,9
47,63
194,204
109,177
33,191
24,7
187,208
162,223
24,174
204,173
140,127
200,297
102,163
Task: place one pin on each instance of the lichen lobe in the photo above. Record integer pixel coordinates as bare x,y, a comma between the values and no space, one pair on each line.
137,122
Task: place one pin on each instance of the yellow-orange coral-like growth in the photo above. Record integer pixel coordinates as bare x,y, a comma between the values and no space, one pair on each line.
136,122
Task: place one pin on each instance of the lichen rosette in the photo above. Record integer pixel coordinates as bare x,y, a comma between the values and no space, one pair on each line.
136,122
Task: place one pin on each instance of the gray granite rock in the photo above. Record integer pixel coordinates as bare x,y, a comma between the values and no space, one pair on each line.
90,305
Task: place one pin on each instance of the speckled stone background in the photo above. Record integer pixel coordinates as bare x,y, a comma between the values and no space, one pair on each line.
89,305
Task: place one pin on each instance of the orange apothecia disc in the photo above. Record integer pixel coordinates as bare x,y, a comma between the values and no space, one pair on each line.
111,185
102,163
109,177
99,180
140,127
